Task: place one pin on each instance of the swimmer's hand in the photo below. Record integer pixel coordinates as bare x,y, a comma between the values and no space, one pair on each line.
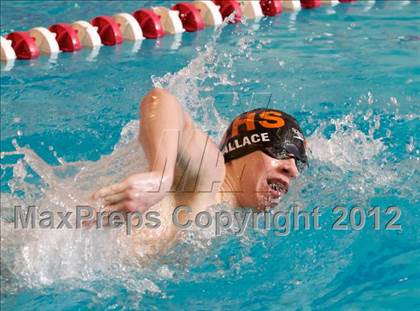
138,192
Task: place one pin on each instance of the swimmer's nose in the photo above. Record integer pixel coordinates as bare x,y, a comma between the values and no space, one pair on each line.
289,168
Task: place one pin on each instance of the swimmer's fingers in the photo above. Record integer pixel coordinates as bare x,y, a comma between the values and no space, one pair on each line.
110,190
115,198
120,206
127,206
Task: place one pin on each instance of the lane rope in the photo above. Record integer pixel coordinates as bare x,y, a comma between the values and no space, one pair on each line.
147,23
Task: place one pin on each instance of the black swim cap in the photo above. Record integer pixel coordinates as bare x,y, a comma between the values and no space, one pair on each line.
271,131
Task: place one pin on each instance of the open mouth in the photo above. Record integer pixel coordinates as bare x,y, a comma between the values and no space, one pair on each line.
277,186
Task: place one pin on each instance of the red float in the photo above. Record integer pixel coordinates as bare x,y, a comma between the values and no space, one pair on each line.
108,30
271,7
150,23
66,37
227,7
190,16
310,4
23,45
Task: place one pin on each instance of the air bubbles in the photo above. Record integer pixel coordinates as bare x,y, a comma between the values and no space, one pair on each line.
15,144
370,98
165,272
55,154
298,282
410,146
394,101
368,114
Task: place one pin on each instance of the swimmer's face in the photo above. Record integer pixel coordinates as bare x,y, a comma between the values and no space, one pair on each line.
264,179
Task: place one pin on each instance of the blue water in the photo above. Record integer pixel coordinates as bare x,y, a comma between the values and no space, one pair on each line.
350,75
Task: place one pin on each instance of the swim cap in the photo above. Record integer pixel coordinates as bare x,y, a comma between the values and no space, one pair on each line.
271,131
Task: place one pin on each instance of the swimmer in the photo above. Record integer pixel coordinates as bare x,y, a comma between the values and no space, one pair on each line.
261,153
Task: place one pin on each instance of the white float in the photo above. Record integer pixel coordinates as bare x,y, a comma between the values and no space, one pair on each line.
130,28
176,44
170,20
397,3
136,46
87,33
291,5
209,12
7,65
368,5
94,51
6,52
251,9
330,2
45,40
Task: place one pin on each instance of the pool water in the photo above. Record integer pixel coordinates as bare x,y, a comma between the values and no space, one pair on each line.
350,74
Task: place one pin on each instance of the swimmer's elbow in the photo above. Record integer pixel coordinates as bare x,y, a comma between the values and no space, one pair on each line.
155,95
159,102
158,92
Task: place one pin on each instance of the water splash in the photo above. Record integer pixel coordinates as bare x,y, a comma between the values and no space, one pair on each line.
38,258
344,167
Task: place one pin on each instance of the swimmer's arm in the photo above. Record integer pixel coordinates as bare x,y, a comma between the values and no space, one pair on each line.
170,139
161,125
